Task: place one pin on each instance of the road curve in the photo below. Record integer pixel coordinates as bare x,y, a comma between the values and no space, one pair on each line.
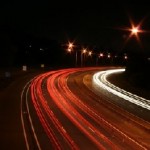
61,110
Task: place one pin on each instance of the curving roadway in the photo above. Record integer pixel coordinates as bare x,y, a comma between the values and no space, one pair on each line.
69,109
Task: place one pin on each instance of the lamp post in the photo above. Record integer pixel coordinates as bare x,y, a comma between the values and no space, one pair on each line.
101,55
70,49
90,53
82,53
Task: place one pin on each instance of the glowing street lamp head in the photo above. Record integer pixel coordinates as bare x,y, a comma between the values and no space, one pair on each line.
134,30
90,53
70,45
125,57
84,51
108,56
69,50
101,54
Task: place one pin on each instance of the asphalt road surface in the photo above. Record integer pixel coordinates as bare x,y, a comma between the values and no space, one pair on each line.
63,109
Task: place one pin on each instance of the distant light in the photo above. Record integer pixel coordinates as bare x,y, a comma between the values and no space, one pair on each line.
42,65
69,50
101,54
125,57
24,68
70,45
90,53
108,56
84,51
30,46
41,49
148,59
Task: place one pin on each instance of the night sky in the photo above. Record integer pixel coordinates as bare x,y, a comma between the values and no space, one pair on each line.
89,23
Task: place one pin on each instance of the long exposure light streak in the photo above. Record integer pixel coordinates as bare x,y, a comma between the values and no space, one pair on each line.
64,117
79,121
92,113
53,117
100,79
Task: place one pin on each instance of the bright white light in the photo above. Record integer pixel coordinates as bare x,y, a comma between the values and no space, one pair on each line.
70,45
84,51
135,30
90,53
99,79
108,56
101,54
69,50
125,57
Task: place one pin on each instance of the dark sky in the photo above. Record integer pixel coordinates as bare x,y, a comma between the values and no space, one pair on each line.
93,23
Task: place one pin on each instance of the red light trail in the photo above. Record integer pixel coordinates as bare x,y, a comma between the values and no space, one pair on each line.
70,122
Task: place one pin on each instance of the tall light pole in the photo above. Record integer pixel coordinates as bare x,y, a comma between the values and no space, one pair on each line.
70,49
90,53
82,52
101,55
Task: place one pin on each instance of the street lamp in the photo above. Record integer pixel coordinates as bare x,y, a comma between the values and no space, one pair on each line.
125,56
134,30
90,53
82,53
70,49
108,55
70,45
99,56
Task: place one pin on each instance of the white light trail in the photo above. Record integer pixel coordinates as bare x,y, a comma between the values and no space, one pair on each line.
100,79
